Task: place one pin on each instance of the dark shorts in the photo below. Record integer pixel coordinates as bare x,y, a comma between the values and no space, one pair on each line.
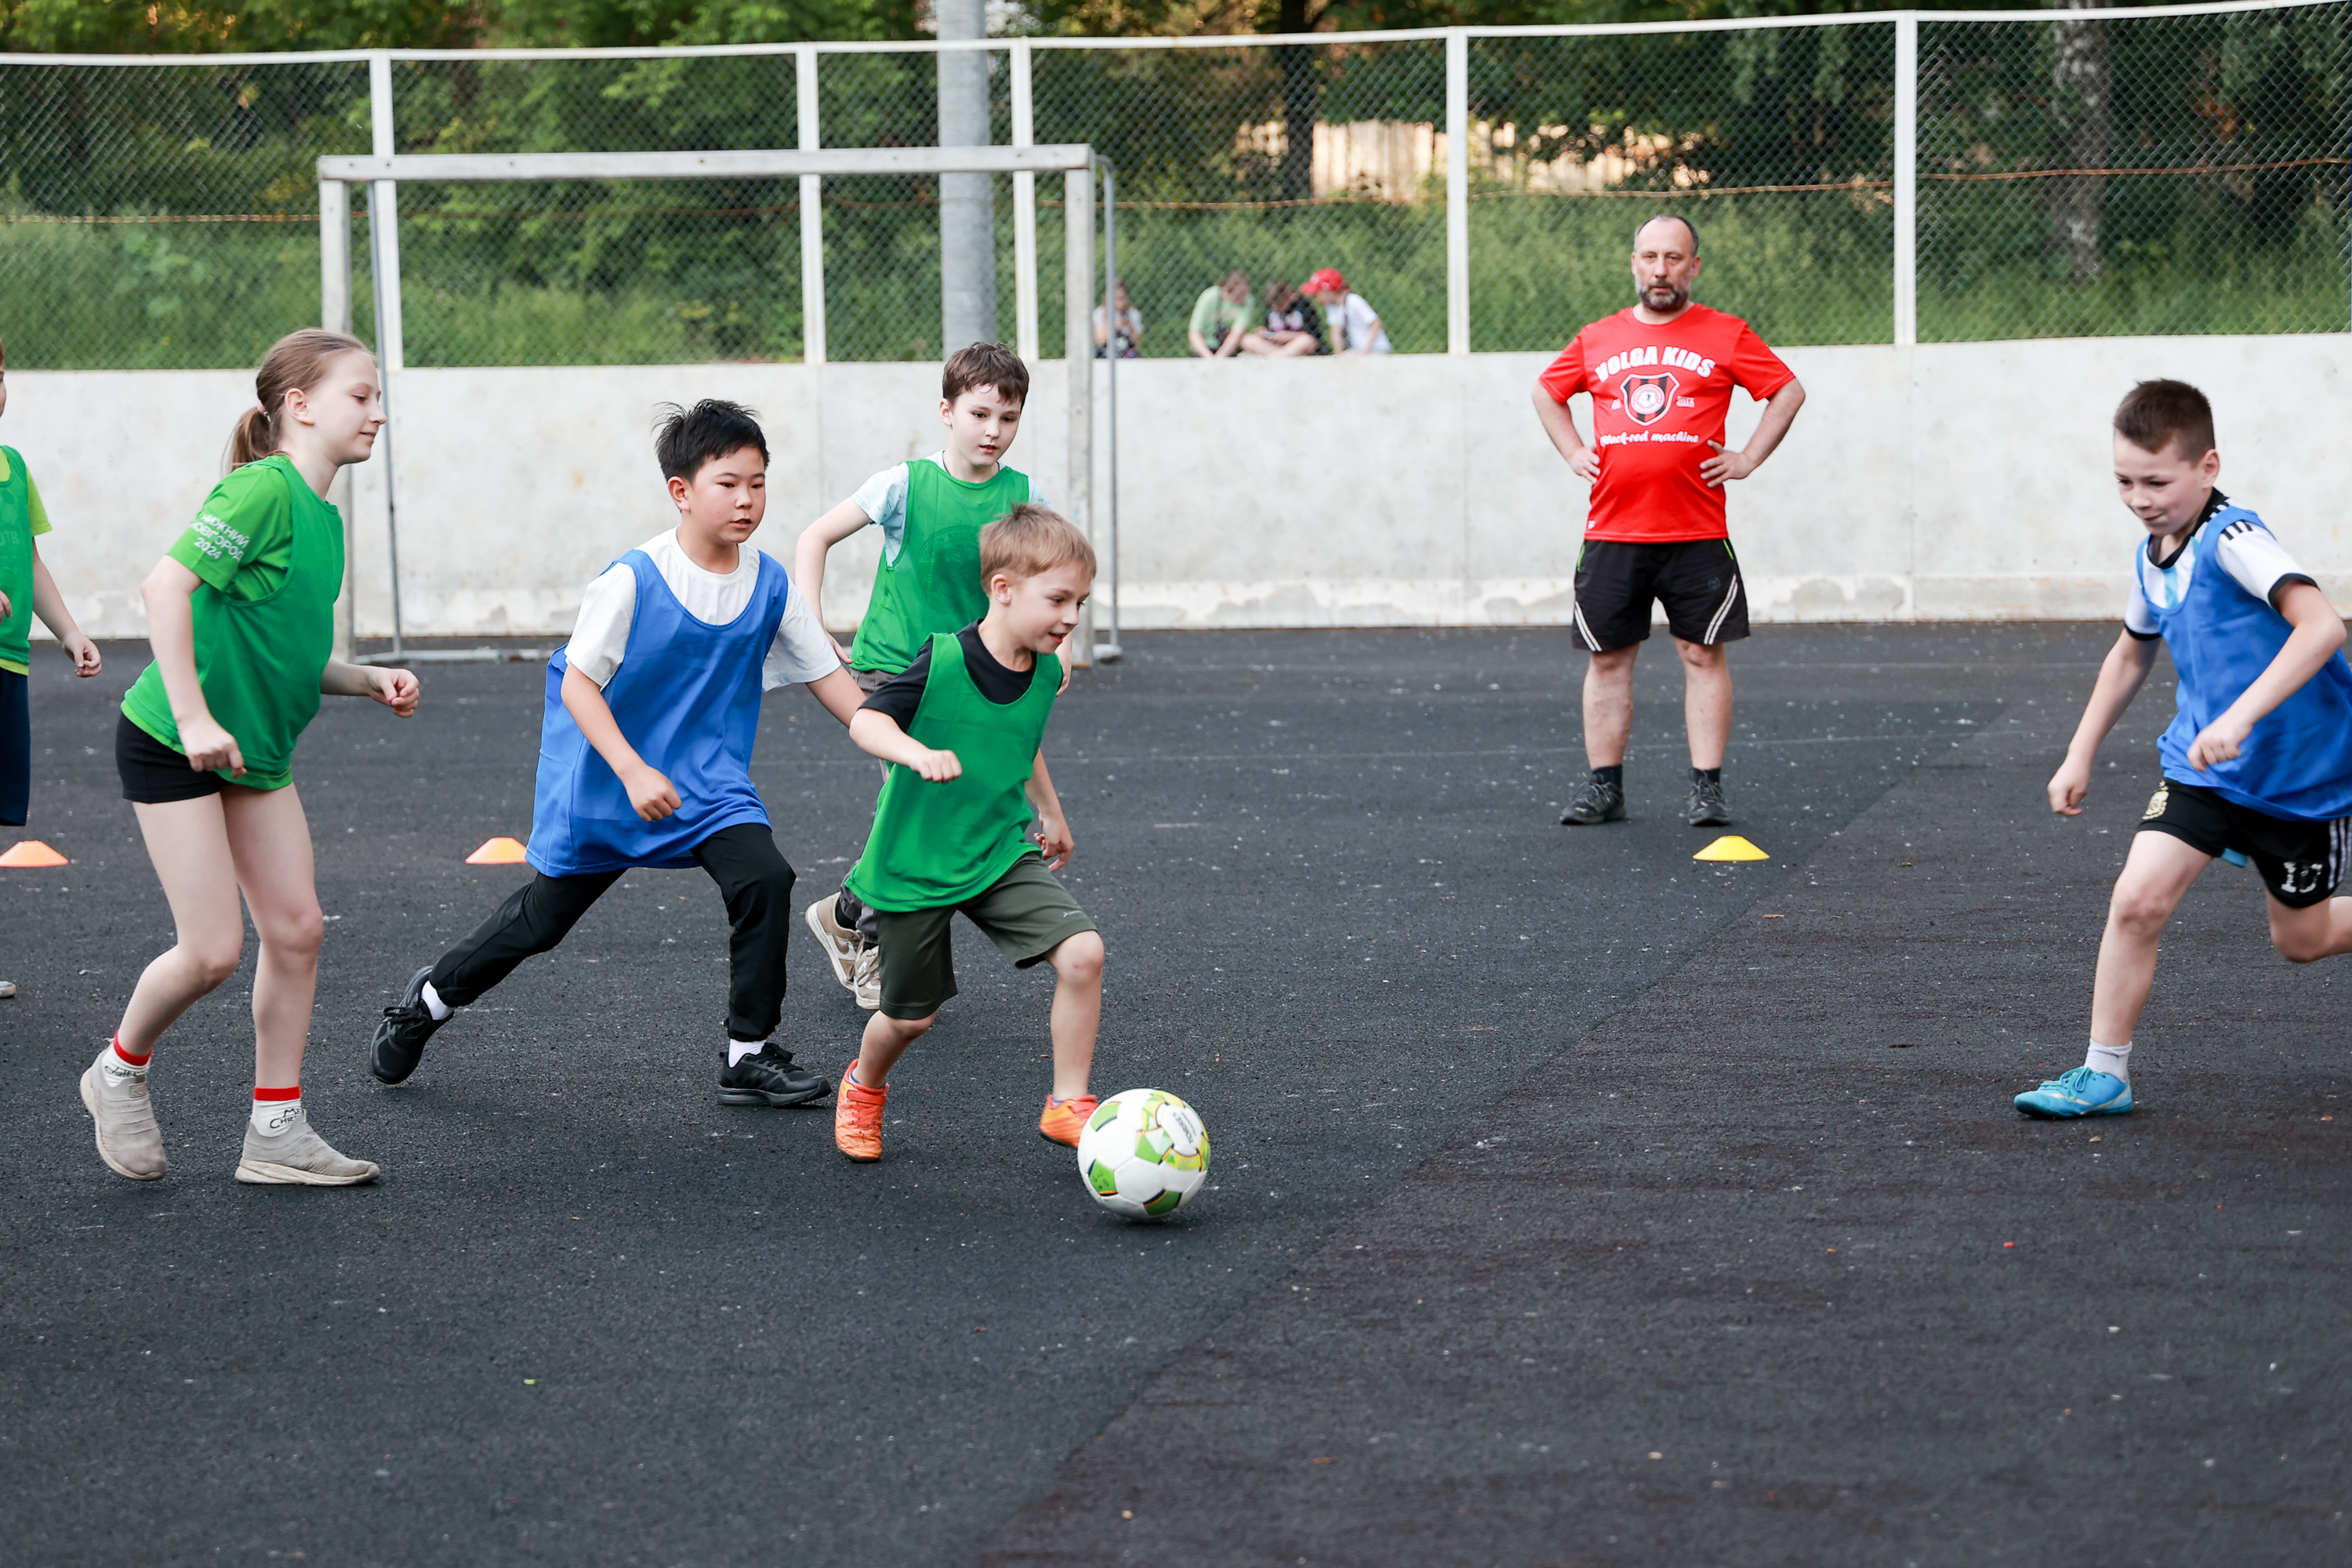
870,681
153,773
16,748
1696,579
1027,913
2301,862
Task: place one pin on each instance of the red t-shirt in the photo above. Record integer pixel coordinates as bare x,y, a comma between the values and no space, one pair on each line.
1659,395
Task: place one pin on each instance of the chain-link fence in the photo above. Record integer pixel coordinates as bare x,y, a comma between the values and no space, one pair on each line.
2085,172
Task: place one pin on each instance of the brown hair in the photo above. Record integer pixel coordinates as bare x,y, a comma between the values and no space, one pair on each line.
297,361
1031,539
2159,414
985,365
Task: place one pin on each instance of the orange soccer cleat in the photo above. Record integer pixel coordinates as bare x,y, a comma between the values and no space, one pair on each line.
1063,1119
857,1117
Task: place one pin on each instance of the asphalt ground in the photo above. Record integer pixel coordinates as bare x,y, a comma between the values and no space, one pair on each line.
1530,1147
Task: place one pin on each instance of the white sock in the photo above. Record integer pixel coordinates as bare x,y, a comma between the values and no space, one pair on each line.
272,1118
433,1004
738,1050
2116,1060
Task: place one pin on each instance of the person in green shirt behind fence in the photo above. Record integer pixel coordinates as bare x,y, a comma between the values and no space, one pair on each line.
1220,317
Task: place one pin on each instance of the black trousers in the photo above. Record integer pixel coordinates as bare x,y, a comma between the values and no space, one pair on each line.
752,876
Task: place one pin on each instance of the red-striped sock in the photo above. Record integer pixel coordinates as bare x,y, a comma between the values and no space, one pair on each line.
276,1110
128,1058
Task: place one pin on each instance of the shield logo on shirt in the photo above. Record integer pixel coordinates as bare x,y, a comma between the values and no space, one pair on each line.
1647,397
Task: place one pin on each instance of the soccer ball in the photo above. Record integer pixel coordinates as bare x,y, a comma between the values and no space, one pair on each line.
1144,1154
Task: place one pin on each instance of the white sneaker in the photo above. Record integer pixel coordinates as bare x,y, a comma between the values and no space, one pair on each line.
296,1156
127,1139
866,981
840,945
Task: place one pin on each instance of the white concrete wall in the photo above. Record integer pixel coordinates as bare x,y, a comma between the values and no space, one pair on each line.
1961,482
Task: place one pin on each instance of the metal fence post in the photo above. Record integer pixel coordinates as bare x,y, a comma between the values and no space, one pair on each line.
1079,362
1025,211
1458,191
335,315
811,221
1906,180
384,251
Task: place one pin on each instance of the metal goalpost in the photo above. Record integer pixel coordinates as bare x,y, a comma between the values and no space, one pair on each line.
1075,161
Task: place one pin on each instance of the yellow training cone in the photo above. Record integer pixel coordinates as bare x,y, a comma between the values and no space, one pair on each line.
1731,847
31,852
498,851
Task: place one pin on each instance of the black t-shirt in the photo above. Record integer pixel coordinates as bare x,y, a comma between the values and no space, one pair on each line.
999,685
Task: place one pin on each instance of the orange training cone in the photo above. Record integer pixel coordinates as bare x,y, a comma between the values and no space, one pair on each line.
31,852
498,851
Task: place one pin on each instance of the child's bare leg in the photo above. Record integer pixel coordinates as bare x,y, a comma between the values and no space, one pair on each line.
1077,1010
188,842
2321,930
270,839
2156,874
886,1040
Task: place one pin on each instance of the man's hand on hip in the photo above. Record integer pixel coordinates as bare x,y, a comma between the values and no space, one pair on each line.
1726,465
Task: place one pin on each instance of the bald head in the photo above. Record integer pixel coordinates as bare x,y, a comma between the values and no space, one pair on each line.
1690,235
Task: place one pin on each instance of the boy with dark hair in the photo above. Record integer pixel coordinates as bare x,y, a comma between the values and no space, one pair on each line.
2257,762
645,750
953,833
930,510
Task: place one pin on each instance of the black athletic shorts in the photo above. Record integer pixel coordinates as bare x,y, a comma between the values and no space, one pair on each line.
154,773
2301,862
1696,579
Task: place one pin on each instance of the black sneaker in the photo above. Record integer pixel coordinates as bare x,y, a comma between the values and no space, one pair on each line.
771,1078
1593,803
1704,805
400,1038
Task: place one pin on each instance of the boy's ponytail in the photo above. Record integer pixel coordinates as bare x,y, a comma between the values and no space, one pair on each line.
297,361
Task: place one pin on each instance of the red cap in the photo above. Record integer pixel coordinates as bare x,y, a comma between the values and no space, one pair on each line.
1327,280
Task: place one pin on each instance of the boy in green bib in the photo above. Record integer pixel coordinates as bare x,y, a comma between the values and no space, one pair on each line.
25,590
960,730
930,511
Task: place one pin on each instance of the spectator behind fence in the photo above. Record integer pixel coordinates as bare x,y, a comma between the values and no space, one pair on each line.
1219,317
1129,328
1355,325
1292,326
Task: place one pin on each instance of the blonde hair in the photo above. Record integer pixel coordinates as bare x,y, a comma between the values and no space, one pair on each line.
1031,539
297,361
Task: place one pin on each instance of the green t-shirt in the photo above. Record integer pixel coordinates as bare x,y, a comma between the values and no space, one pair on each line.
1212,312
269,554
22,521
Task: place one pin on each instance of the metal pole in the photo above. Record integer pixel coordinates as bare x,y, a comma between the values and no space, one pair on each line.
383,256
967,201
1077,330
1024,210
1906,181
1109,652
1458,191
811,222
335,315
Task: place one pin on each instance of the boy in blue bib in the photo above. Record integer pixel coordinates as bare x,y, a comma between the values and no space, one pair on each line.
2257,762
645,754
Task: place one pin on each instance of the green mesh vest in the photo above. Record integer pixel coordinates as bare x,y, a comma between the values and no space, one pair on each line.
934,845
934,583
16,563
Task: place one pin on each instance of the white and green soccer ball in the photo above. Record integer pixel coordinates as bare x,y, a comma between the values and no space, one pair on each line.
1144,1154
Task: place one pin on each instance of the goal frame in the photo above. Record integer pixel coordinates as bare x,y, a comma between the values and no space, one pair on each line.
382,174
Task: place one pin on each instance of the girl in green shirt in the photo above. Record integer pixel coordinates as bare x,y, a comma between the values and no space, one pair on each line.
241,613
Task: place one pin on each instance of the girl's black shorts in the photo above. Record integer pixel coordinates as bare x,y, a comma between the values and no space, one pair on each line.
153,773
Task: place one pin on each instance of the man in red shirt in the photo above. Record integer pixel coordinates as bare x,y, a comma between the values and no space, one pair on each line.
1660,377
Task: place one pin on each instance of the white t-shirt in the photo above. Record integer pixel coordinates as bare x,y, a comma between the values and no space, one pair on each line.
801,652
2245,549
1356,319
883,500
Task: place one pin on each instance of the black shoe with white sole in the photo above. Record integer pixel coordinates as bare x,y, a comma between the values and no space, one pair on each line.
400,1038
771,1077
1596,801
1705,805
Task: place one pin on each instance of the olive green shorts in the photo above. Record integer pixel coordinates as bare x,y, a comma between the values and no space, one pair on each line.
1027,913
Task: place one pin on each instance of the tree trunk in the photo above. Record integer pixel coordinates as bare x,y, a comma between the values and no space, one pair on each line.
2082,119
1301,101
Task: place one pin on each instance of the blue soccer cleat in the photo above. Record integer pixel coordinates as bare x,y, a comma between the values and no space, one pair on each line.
2085,1092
